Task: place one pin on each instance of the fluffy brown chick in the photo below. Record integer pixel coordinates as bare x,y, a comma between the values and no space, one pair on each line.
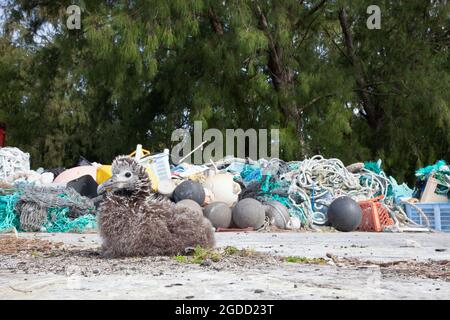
134,222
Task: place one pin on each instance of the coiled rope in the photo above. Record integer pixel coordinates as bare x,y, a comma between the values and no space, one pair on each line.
13,160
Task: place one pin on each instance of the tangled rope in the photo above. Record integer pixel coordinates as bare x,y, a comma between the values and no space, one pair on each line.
318,181
308,187
51,209
13,160
36,203
56,197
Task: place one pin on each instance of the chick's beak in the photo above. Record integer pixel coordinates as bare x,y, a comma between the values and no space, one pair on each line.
107,186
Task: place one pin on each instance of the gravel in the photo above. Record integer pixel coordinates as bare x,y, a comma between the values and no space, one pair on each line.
34,268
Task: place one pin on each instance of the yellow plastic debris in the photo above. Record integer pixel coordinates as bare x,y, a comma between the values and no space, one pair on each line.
104,171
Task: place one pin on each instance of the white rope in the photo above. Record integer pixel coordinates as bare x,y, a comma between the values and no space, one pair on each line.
318,181
317,177
13,160
420,211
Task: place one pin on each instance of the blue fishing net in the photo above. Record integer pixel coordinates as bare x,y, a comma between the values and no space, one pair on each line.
58,220
268,187
8,217
438,167
441,172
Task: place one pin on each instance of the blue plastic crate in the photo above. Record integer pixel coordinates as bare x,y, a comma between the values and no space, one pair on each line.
437,212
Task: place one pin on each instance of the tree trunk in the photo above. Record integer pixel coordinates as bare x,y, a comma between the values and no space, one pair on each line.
215,22
283,81
374,114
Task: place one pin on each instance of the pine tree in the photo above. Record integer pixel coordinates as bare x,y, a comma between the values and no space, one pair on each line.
401,80
139,69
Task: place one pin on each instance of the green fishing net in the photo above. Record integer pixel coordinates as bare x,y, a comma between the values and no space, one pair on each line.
58,220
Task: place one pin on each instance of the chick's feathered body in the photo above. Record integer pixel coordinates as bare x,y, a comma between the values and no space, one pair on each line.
133,222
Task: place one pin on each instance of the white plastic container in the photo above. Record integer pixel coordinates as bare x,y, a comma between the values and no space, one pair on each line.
159,163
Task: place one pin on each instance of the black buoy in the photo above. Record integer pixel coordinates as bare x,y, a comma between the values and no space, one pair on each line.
189,190
344,214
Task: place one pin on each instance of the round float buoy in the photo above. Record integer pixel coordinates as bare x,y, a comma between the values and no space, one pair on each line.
278,214
223,188
219,213
249,213
191,204
344,214
189,190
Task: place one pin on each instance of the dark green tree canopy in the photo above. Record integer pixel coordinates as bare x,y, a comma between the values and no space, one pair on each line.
138,69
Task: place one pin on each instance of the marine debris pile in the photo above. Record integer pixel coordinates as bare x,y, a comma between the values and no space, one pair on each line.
234,194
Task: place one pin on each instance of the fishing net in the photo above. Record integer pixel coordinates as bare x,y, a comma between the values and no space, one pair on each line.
308,187
441,172
46,209
8,217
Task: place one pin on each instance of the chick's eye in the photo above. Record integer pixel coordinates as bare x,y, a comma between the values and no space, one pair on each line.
128,174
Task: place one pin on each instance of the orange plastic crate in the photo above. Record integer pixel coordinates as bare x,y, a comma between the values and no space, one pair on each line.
375,215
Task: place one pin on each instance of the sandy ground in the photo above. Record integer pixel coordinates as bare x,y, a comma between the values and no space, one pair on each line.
356,266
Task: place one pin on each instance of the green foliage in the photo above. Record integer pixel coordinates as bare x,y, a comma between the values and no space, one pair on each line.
200,254
230,250
305,260
180,259
139,69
